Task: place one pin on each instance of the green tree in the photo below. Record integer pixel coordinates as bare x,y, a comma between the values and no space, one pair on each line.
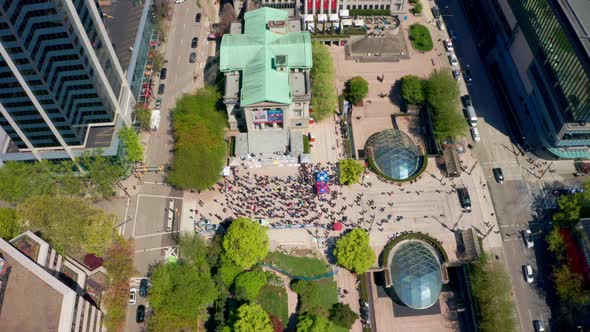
62,220
228,270
417,10
325,101
350,171
100,233
412,90
9,224
119,264
131,141
492,290
179,295
143,117
342,315
101,173
200,145
309,322
442,95
570,286
246,242
309,295
556,244
354,252
251,317
249,283
19,181
357,88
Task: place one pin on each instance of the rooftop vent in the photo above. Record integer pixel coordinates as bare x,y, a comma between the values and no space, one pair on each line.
281,62
279,27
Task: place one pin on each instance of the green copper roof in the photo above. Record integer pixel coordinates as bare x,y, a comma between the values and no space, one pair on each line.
253,53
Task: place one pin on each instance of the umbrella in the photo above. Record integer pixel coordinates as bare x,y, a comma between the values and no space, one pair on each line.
337,226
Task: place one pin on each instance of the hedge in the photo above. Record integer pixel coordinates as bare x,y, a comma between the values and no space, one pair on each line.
377,171
370,12
412,236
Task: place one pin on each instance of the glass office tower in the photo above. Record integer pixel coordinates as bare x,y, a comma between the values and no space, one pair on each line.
59,75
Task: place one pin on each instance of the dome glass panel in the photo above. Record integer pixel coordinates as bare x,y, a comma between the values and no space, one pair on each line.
394,153
416,274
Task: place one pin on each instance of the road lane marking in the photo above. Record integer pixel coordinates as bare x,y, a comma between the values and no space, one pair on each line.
135,218
159,196
122,229
149,235
530,316
152,249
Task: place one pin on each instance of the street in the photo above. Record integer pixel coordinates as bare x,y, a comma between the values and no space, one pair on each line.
513,198
146,209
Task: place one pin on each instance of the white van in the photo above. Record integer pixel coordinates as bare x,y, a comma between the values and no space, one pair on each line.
440,25
469,112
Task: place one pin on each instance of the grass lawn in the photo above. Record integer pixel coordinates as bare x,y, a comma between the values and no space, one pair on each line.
274,301
329,294
420,37
297,266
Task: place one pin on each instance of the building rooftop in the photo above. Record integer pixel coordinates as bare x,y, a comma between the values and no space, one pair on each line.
578,14
254,54
34,300
121,19
298,83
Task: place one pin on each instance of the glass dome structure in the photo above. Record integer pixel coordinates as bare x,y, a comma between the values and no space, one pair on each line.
416,274
394,153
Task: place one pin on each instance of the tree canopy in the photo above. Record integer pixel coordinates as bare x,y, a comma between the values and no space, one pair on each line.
354,252
249,283
323,88
492,290
143,116
309,322
69,223
357,88
442,95
119,264
246,242
309,295
179,294
412,90
350,171
251,317
200,145
9,224
342,315
574,206
131,142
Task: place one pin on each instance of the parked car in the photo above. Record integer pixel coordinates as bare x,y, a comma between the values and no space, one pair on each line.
448,45
539,325
440,25
132,296
527,235
456,74
198,18
466,100
158,103
143,287
161,89
453,60
163,73
475,134
435,12
498,174
140,314
193,57
464,198
467,75
528,273
194,42
469,112
179,1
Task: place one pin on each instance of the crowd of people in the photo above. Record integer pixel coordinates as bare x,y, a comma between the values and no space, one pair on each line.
292,201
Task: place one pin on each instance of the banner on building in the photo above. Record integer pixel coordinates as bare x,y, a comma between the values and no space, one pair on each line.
268,116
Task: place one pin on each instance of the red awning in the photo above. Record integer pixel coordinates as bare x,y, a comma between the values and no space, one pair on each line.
318,4
337,226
